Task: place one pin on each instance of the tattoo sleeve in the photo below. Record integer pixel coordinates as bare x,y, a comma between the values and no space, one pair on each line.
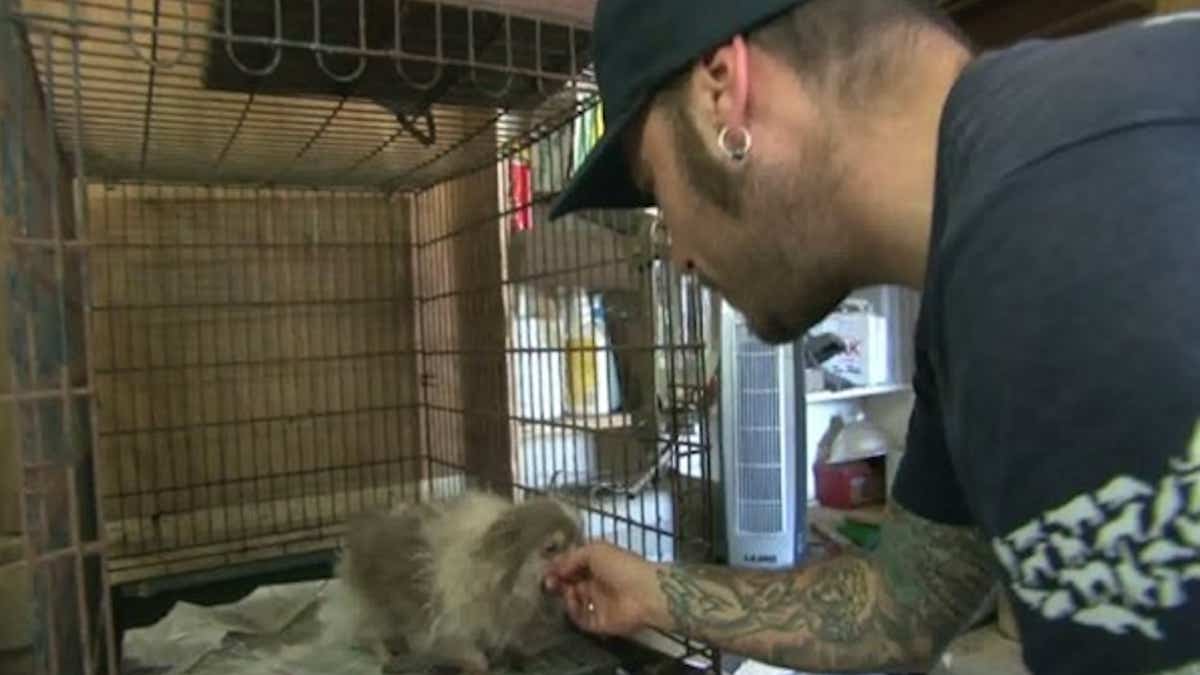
894,609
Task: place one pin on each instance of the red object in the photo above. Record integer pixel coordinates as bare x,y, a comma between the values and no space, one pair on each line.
849,485
520,182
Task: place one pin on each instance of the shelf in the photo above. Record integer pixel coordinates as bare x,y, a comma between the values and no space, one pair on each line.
855,393
572,424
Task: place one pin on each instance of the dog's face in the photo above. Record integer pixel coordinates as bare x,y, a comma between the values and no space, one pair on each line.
528,537
560,540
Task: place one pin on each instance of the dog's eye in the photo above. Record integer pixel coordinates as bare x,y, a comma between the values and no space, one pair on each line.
552,548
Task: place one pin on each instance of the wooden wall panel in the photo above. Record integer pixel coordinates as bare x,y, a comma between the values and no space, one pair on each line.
10,484
255,363
9,466
464,328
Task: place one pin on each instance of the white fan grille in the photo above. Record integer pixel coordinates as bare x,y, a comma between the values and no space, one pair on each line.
759,434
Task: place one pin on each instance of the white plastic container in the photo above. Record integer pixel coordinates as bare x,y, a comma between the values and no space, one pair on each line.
539,371
591,366
539,368
894,455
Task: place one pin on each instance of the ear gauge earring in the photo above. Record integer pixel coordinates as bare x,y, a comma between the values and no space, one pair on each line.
736,151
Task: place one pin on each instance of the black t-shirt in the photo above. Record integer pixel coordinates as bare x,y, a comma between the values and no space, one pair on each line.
1058,348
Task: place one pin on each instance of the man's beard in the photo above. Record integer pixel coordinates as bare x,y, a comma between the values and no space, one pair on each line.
798,276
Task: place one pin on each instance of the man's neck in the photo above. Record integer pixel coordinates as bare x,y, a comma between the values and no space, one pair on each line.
895,165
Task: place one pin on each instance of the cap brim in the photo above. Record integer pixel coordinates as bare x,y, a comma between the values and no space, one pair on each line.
604,180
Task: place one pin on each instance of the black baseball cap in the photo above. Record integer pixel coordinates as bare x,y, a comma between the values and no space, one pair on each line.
637,46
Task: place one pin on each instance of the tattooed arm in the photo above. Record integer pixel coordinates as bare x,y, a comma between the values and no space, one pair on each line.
894,609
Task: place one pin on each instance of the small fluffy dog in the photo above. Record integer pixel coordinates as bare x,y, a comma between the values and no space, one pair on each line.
457,583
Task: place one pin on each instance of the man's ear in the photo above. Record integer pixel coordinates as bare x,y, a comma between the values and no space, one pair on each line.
721,85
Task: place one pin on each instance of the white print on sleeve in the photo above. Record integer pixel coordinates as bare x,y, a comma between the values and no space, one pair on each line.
1171,18
1114,558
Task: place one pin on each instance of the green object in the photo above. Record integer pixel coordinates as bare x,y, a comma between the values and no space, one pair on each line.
863,535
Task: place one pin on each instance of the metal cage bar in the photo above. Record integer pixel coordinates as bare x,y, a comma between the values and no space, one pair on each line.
49,396
287,305
597,392
264,393
174,91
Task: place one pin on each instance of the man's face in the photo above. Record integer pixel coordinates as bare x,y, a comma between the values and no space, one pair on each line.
762,232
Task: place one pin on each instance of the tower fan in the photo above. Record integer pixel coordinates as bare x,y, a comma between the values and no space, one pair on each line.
763,447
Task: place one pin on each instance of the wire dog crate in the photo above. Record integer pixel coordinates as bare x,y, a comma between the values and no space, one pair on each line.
272,263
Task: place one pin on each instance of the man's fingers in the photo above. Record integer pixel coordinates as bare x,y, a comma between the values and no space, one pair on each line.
575,605
571,565
592,608
582,607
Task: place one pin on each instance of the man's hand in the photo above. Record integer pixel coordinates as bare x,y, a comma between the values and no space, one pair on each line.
607,590
893,610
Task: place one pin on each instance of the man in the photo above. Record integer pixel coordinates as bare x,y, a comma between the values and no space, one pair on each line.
1046,199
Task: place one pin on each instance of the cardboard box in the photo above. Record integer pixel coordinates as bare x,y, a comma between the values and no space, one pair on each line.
865,361
982,652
